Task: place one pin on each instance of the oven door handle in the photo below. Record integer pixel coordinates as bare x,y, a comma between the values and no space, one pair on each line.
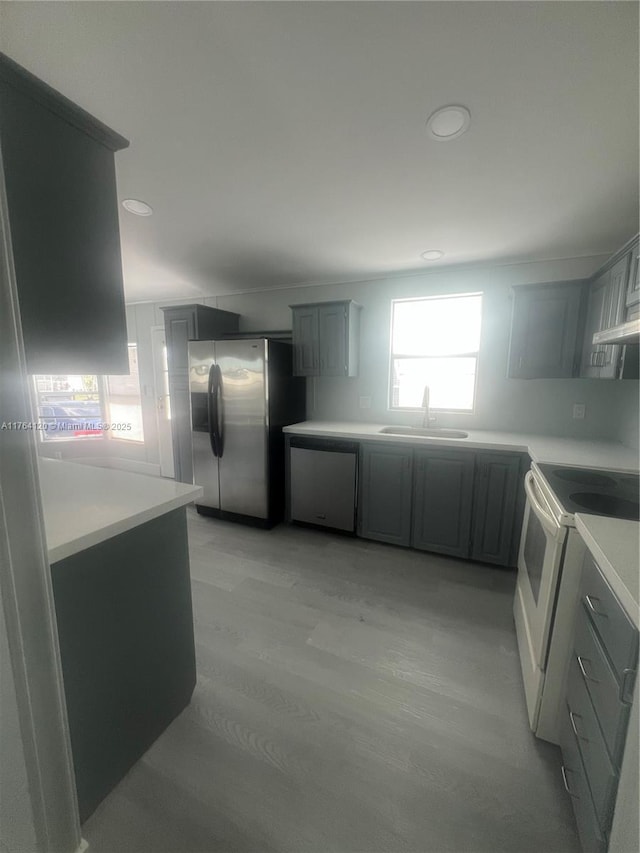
545,518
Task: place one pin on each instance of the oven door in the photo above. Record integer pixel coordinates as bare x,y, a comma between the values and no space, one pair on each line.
539,563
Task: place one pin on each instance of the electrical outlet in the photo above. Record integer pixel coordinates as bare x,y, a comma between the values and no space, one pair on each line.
365,402
579,411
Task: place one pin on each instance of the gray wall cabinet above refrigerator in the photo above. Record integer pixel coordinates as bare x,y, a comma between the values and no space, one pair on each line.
59,171
184,323
325,338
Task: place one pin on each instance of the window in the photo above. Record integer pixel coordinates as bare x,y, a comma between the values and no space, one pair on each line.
78,406
68,407
124,403
435,342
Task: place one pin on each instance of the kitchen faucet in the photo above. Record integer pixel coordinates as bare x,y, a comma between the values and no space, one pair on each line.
426,417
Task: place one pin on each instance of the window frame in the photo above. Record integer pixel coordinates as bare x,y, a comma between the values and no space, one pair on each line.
102,384
471,354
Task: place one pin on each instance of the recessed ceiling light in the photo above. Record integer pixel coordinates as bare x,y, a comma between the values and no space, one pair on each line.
448,122
140,208
432,255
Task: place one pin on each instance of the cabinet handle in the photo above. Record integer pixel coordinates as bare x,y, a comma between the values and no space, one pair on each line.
581,663
590,599
626,685
322,516
566,784
572,718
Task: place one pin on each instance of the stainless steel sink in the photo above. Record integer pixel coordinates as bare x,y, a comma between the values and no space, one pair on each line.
427,433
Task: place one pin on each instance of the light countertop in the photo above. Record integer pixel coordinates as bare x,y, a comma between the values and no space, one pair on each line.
84,505
615,546
541,448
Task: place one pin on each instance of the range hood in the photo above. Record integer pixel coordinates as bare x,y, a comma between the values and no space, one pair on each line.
625,333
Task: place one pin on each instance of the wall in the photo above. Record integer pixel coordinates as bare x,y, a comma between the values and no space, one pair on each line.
627,417
539,406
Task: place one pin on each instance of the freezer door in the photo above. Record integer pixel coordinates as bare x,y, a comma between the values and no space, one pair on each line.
243,462
202,385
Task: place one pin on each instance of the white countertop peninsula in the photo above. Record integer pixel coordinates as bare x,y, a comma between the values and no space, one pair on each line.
84,505
541,448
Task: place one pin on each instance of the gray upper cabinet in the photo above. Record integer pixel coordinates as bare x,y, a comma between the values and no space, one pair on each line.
184,323
494,506
544,330
614,311
596,312
385,493
325,338
606,308
59,172
306,351
633,289
442,501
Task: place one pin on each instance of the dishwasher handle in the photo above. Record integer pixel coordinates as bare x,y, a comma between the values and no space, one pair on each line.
334,445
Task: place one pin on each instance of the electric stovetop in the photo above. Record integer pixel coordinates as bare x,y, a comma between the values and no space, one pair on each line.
594,491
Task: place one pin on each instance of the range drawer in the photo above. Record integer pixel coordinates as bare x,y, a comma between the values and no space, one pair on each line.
601,775
615,629
575,782
600,681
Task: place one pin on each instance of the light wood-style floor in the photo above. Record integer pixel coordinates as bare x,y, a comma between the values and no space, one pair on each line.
351,697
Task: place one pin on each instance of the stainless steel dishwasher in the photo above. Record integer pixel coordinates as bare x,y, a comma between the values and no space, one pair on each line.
323,482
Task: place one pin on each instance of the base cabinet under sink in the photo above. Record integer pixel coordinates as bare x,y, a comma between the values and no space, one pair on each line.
442,500
462,503
385,494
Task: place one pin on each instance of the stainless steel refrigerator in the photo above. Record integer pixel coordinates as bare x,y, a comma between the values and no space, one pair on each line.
242,393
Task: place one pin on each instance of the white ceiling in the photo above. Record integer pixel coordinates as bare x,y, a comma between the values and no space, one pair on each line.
285,142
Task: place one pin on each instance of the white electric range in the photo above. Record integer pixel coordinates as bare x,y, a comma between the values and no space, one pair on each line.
549,570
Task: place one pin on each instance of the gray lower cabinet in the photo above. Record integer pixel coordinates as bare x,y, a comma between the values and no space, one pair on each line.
184,323
442,501
385,493
601,671
125,628
463,503
544,330
497,483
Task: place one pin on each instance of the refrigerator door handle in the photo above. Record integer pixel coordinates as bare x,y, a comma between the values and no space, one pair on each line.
212,409
219,414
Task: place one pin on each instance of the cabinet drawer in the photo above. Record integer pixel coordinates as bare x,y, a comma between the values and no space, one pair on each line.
600,773
575,782
618,634
601,683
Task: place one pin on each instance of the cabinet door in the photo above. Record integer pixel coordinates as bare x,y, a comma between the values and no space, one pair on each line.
332,323
494,506
442,500
63,214
544,331
596,312
385,494
305,341
633,290
614,305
